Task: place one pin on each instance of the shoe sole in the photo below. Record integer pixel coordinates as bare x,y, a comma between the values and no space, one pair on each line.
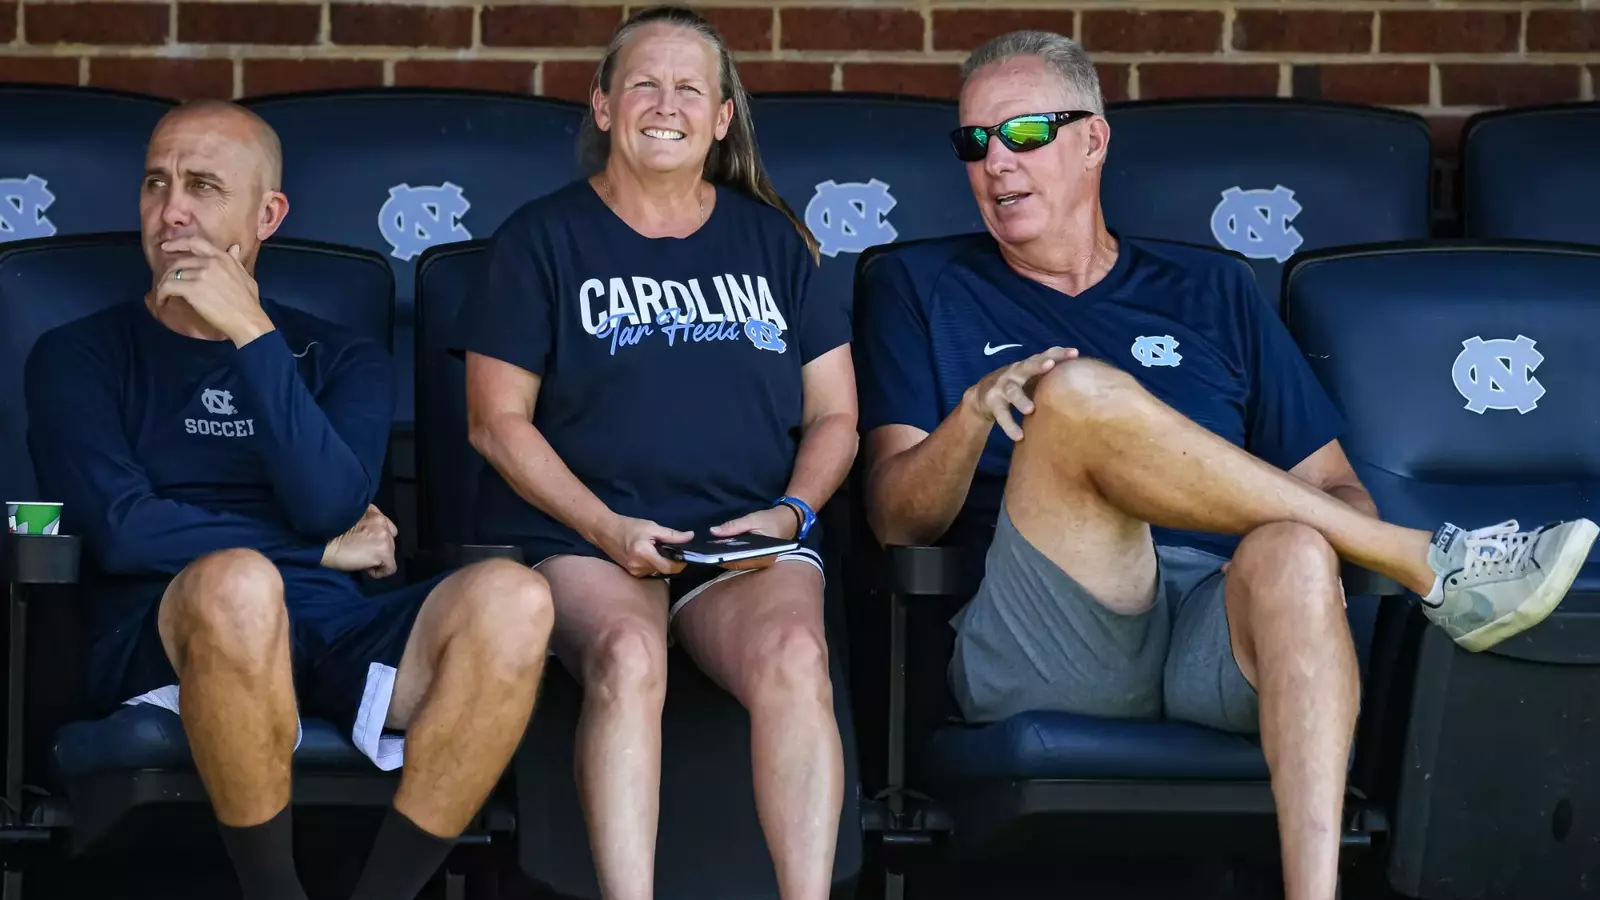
1543,601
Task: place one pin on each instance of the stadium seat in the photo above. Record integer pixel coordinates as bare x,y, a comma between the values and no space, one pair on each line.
1267,178
101,771
1466,375
71,159
862,170
1044,781
401,170
1530,174
710,844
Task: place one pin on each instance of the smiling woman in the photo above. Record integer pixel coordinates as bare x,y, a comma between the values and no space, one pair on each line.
673,264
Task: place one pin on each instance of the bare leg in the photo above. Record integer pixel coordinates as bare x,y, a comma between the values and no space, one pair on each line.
760,636
226,631
1292,640
465,689
611,633
1098,438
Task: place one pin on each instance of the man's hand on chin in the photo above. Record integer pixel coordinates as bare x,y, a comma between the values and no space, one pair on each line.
216,286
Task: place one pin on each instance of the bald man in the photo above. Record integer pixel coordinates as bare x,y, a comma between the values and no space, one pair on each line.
219,454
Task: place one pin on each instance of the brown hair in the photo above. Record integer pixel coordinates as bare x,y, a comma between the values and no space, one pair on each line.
733,161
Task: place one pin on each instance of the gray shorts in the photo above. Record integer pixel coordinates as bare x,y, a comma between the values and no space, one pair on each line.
1034,639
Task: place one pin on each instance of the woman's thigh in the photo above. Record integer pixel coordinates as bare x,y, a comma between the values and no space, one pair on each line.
598,604
738,627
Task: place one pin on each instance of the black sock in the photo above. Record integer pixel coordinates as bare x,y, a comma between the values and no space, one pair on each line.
263,858
403,858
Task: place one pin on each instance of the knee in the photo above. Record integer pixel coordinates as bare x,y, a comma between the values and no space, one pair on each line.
509,615
1290,563
627,660
1084,389
789,663
231,602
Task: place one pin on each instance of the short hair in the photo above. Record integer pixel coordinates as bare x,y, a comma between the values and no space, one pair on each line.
1062,54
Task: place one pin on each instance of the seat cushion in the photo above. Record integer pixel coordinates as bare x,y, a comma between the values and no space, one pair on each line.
151,737
1061,745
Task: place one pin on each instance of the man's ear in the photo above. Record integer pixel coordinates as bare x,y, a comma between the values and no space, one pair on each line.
274,209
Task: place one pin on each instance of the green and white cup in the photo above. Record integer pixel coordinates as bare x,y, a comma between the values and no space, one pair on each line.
33,518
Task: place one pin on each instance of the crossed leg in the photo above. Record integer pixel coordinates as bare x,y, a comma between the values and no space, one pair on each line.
760,637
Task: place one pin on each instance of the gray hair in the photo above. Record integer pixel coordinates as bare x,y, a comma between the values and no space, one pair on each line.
1062,54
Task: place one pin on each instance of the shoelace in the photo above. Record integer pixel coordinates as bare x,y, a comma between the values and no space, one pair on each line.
1497,550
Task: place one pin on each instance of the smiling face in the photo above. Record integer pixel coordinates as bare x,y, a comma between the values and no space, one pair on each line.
665,107
1029,195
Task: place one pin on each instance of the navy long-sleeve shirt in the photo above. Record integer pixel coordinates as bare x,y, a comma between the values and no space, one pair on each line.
164,448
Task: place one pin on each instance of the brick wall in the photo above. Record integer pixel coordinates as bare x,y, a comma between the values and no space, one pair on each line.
1446,58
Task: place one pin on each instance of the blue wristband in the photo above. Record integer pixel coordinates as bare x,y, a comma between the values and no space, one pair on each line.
808,516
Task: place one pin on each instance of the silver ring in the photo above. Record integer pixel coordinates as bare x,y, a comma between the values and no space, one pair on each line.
177,275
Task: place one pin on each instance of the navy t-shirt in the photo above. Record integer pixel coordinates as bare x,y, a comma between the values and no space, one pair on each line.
164,448
670,367
1189,324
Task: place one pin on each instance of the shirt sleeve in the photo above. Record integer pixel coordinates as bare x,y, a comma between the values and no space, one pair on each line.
84,461
510,317
1290,415
323,454
895,372
824,317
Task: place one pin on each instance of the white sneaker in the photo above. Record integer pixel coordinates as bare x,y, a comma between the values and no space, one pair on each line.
1497,581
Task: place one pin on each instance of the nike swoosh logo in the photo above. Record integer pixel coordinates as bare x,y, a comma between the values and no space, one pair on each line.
990,351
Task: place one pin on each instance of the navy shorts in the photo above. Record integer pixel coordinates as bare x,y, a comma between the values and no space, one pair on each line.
344,650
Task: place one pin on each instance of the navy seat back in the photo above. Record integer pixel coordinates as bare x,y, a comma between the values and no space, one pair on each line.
1267,178
398,171
447,466
1531,174
863,170
1467,374
50,282
71,159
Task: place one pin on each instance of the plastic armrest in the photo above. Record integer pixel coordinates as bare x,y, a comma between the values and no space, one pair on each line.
933,571
43,558
1363,582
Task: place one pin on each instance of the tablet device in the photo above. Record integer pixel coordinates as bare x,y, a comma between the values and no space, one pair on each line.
718,551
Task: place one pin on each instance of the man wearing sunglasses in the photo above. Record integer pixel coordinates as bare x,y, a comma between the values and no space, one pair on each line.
1164,503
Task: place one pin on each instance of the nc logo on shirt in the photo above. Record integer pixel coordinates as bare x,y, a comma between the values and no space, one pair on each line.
1498,374
850,217
22,205
1256,223
416,218
1157,351
626,311
219,403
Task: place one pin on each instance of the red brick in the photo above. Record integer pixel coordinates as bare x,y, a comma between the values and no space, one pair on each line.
398,25
249,23
1563,31
966,29
786,76
1164,31
1113,81
1206,80
8,21
512,77
1384,84
568,79
550,26
1449,31
1302,31
96,23
282,76
841,28
179,79
943,81
742,28
39,69
1506,85
1446,134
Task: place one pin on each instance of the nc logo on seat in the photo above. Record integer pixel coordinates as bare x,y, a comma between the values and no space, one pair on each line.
22,205
1157,351
1498,374
416,218
850,217
1256,223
